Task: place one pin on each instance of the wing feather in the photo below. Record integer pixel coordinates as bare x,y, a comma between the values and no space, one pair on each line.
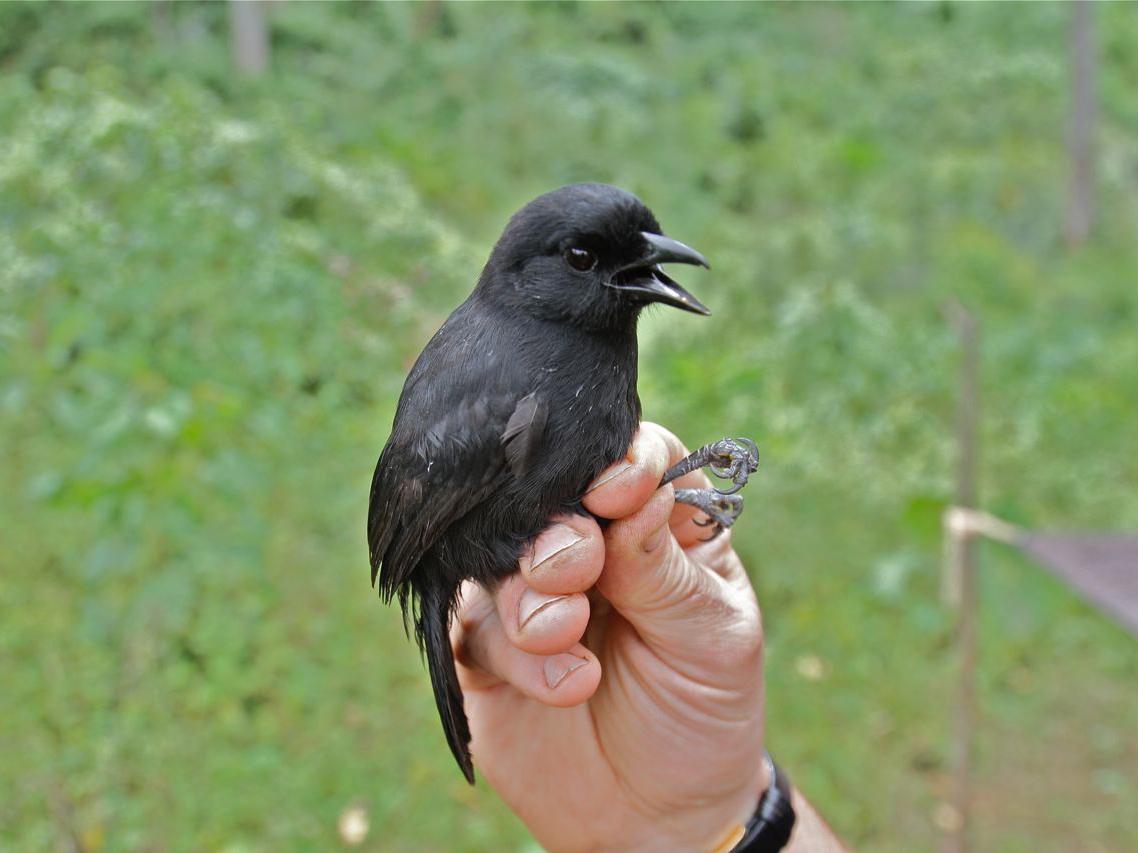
523,432
427,479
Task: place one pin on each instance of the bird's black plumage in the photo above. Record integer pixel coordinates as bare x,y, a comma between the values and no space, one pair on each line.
526,393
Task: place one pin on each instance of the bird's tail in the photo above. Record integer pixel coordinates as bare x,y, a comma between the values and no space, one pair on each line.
433,623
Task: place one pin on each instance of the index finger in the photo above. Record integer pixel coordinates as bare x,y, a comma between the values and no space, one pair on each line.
623,488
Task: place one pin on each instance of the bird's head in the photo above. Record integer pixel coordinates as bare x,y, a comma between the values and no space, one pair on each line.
587,254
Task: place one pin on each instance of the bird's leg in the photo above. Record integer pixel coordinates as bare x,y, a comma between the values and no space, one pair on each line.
732,459
721,509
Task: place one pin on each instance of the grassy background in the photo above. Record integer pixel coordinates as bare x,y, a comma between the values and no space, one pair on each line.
211,288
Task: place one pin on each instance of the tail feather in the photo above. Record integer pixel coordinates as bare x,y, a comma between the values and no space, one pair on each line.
432,626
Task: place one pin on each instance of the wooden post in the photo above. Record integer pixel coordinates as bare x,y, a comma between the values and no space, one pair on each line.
249,36
960,574
1083,116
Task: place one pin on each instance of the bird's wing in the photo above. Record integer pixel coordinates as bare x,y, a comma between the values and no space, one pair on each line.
427,479
523,432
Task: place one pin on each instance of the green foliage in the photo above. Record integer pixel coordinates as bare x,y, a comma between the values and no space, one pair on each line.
210,289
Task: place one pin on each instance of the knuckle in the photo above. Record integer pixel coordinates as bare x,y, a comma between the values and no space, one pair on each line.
651,452
468,626
675,448
463,641
625,537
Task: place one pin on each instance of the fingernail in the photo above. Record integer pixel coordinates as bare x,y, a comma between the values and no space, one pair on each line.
612,474
560,666
553,541
532,603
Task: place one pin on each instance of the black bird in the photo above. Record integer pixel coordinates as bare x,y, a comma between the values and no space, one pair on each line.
526,393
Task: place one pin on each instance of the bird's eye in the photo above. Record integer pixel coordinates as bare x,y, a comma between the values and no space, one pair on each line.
581,260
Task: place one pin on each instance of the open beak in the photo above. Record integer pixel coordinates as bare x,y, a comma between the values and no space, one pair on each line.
647,281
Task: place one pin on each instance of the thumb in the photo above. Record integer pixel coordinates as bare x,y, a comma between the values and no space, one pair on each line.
682,610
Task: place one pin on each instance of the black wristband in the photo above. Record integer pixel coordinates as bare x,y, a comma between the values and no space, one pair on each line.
769,828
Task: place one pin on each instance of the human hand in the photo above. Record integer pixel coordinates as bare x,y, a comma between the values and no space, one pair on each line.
664,752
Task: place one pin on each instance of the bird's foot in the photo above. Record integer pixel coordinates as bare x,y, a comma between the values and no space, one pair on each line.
721,509
734,459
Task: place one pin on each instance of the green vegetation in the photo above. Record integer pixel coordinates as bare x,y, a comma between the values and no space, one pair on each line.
211,288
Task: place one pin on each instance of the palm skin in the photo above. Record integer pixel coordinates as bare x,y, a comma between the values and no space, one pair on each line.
663,752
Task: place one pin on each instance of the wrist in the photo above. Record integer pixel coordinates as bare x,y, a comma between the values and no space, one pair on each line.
740,810
771,826
708,825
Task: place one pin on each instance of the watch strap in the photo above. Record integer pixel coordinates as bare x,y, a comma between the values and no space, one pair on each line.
769,828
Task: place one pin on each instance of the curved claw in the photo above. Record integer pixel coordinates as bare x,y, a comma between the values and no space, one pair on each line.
734,459
716,528
721,510
714,534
